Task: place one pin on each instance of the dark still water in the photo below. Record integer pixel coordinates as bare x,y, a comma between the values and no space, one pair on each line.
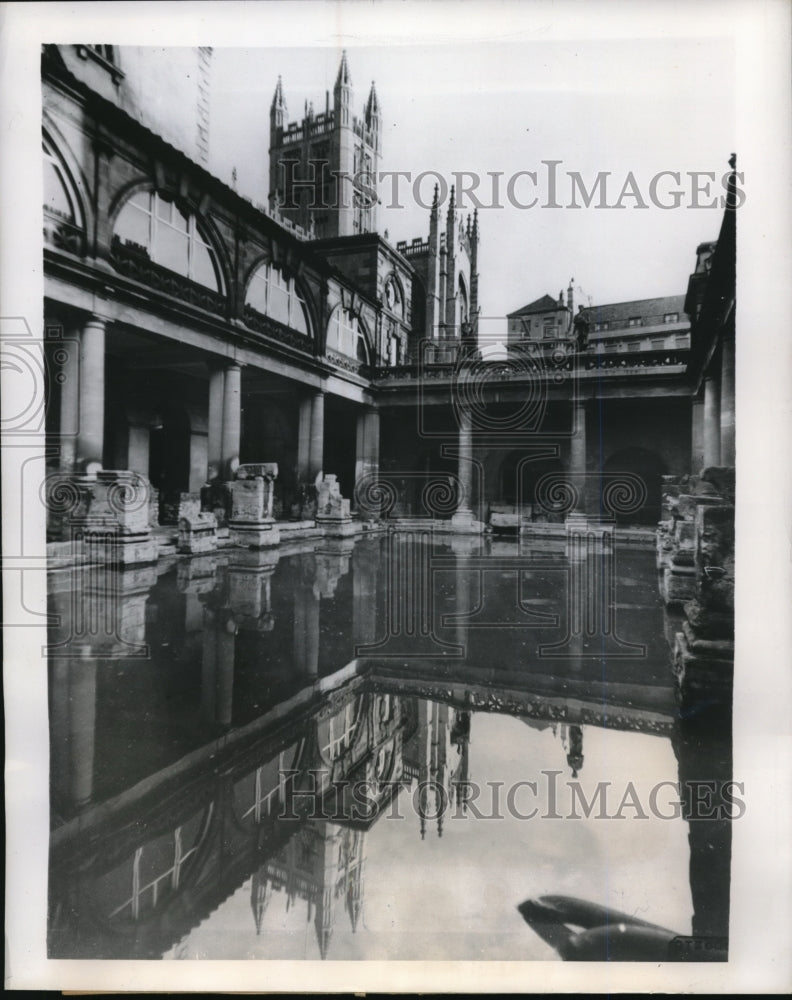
380,749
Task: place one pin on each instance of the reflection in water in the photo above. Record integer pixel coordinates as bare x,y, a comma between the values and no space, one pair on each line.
358,751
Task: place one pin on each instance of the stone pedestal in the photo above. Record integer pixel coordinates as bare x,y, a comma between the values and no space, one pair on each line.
332,510
679,574
252,524
198,533
115,526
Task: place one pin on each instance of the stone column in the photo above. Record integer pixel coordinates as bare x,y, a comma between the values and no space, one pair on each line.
215,443
232,416
70,407
367,448
465,461
304,439
577,455
316,447
310,451
90,440
697,435
712,442
727,403
464,520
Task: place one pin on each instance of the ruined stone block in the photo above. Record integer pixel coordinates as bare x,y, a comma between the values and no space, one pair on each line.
198,533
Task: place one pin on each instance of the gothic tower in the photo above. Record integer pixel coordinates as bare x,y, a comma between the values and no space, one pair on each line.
446,268
324,169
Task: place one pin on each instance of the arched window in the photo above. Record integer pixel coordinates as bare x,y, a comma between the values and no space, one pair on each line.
272,294
393,298
462,305
59,196
345,335
153,222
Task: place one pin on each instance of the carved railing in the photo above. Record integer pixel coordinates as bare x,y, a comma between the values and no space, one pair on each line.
277,331
61,233
134,262
350,364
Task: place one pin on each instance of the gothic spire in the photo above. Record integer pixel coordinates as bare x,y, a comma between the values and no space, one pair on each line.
372,104
277,97
343,79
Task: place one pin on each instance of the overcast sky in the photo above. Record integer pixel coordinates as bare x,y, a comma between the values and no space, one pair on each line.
640,105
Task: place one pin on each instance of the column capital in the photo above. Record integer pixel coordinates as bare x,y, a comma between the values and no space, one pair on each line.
96,320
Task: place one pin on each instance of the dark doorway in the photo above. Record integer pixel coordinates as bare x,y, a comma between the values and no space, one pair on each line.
520,475
340,443
169,459
648,468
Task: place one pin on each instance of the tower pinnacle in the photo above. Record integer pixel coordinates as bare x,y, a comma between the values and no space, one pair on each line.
344,78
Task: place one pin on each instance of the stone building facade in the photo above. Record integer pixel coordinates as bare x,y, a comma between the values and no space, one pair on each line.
191,333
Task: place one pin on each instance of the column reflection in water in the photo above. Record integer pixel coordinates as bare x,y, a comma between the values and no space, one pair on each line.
306,618
364,595
703,748
100,613
212,823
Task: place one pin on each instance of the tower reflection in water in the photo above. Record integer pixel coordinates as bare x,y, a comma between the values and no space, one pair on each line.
247,762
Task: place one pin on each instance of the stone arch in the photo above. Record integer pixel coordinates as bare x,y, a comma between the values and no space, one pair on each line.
204,226
75,185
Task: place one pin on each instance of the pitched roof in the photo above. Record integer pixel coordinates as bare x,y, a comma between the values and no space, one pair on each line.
651,311
545,304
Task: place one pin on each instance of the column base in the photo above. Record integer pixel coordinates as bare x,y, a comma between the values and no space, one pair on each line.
254,535
338,527
121,550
